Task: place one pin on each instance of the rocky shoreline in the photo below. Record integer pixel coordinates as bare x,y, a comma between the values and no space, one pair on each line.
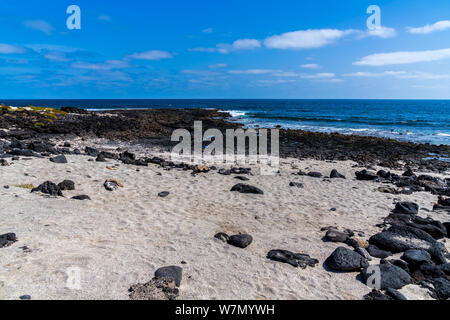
153,128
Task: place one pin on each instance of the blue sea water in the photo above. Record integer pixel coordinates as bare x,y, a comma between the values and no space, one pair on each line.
411,120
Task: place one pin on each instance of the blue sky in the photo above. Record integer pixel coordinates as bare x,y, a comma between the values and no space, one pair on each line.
225,49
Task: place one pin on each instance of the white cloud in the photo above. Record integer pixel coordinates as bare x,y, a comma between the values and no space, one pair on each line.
10,49
400,75
310,66
253,71
152,55
382,32
273,82
307,39
217,65
241,44
201,49
403,57
429,28
207,30
56,56
40,25
107,65
322,75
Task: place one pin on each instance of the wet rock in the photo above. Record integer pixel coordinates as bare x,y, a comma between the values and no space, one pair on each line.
245,188
390,276
416,257
401,238
49,188
163,194
294,259
336,175
334,235
343,259
374,251
67,185
240,240
7,239
155,289
112,185
242,178
406,208
365,175
222,236
59,159
172,272
82,197
296,184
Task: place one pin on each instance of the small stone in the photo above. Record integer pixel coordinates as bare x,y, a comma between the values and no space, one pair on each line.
242,178
245,188
25,297
334,235
201,168
365,175
222,236
163,194
240,240
4,163
7,239
314,174
296,184
67,185
50,188
336,175
59,159
112,185
82,197
364,253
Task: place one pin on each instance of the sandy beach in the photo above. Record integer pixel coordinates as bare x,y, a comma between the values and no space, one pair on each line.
121,237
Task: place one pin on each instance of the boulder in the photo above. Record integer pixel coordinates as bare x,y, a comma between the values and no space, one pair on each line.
365,175
296,184
49,188
334,235
171,272
343,259
246,188
390,276
336,175
406,208
416,257
374,251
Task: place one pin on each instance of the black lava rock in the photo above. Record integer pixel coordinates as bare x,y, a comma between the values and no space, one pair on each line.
240,240
296,184
294,259
163,194
336,175
246,188
7,239
50,188
343,259
416,257
390,276
374,251
172,272
242,178
59,159
406,208
222,236
82,197
67,185
365,175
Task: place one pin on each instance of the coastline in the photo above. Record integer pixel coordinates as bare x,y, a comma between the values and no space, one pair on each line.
120,238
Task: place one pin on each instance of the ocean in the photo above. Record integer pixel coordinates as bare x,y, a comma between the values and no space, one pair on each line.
421,121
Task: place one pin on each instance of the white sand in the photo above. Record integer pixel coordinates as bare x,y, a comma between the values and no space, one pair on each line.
120,238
